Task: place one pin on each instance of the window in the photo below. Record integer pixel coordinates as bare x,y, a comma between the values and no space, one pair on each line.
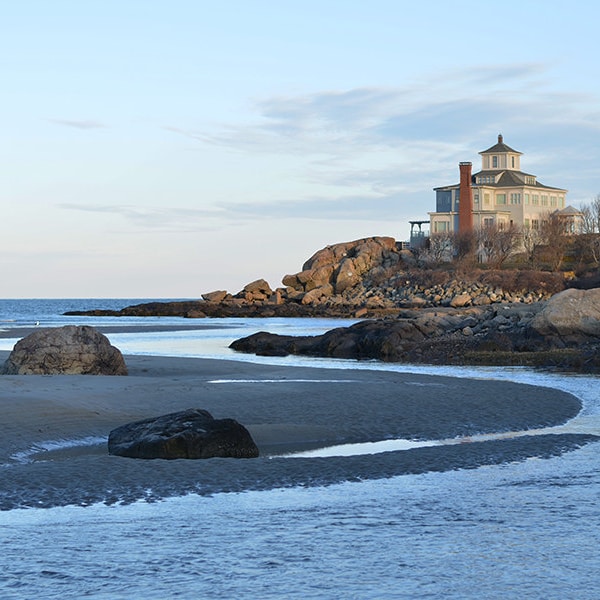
544,200
500,198
494,162
553,201
441,226
535,199
526,223
487,222
512,161
486,199
476,198
561,202
535,224
515,198
526,198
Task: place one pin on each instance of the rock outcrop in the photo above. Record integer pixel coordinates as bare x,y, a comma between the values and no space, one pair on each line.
192,434
366,278
571,317
563,332
68,350
341,267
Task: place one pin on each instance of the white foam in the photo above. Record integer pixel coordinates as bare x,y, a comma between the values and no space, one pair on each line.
26,456
283,381
395,445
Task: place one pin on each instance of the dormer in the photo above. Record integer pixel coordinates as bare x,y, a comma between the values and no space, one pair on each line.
500,157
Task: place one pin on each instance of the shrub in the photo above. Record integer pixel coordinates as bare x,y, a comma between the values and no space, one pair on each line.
542,281
505,280
428,277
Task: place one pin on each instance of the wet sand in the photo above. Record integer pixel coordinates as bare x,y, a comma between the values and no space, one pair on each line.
286,409
21,332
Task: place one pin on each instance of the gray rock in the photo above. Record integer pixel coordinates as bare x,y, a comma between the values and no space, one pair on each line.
461,299
259,286
192,433
68,350
318,295
216,296
570,315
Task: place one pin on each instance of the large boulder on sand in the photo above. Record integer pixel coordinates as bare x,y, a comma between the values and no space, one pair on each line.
571,316
192,433
68,350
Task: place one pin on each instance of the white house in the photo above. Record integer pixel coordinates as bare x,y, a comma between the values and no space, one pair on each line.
500,194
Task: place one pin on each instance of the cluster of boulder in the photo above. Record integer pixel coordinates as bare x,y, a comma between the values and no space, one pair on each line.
369,277
326,280
455,293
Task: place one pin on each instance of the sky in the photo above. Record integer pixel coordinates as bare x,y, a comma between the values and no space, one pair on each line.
164,149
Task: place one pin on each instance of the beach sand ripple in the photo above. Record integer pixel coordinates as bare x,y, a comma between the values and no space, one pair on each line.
54,453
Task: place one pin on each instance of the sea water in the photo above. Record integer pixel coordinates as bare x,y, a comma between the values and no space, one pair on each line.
519,530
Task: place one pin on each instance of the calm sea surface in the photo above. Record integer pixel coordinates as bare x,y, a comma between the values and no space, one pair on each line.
518,530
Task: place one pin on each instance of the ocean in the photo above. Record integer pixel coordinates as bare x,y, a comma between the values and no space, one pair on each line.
528,529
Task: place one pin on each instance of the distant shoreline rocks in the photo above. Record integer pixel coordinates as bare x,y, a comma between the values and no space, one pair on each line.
367,278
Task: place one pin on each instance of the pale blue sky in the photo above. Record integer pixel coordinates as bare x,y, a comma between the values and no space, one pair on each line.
166,149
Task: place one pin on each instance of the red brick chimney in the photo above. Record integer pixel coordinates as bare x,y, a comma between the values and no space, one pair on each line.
465,208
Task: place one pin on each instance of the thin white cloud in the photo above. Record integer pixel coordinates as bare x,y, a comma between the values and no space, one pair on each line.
157,218
448,107
78,124
388,147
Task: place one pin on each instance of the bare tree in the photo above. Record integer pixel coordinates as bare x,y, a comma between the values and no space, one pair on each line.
497,244
531,239
465,246
439,249
555,239
589,239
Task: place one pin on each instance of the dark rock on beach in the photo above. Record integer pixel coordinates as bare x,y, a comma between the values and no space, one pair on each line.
68,350
563,332
192,433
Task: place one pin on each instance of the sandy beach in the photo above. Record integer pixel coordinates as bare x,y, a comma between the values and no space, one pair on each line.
21,332
53,449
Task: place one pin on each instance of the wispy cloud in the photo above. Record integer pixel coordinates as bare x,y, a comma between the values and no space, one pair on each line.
385,145
455,107
343,208
157,218
78,124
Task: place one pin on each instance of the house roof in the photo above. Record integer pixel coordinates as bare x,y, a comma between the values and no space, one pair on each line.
569,210
499,148
507,178
516,179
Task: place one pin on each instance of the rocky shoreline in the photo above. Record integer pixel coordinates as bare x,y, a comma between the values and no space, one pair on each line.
563,332
412,314
367,278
